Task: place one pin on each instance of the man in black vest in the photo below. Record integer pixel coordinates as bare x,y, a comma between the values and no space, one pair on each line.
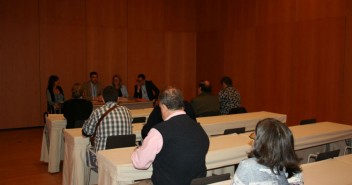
176,147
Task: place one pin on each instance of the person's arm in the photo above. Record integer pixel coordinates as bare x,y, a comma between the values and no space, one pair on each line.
155,89
153,119
89,125
48,97
136,92
144,156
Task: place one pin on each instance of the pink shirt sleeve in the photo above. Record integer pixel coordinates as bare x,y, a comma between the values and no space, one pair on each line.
144,156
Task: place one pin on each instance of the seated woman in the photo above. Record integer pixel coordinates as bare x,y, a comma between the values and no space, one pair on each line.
273,159
54,95
77,109
121,89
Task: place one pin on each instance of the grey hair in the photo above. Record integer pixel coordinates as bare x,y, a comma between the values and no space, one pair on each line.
172,98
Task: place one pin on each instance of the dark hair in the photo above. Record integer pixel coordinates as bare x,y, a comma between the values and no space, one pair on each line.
77,90
93,73
116,76
141,76
226,80
110,94
172,98
51,83
205,87
274,147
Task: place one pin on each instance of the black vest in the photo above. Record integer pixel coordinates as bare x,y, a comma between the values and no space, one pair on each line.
182,157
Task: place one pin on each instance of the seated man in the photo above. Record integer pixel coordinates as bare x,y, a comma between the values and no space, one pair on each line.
76,110
92,88
155,117
205,104
145,90
176,147
116,122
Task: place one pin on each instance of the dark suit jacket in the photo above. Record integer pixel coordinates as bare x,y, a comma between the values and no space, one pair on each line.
76,109
155,117
152,91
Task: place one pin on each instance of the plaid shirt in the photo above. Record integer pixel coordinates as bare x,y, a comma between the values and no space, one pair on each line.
116,122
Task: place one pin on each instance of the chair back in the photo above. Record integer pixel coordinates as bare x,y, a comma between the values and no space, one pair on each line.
327,155
235,130
120,141
78,123
238,110
308,121
210,179
139,120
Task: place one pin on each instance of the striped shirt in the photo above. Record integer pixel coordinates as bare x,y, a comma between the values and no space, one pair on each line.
116,122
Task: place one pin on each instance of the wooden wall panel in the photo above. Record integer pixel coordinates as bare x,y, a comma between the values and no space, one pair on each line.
239,62
19,72
275,11
146,14
62,44
145,51
180,15
319,60
241,14
211,15
317,9
106,53
210,58
180,62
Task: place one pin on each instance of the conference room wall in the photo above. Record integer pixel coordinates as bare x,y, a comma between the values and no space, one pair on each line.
287,56
71,38
19,56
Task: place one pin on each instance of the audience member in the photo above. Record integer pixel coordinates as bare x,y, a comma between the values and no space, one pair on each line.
76,110
177,147
116,122
92,88
155,117
229,97
54,95
121,89
272,159
145,90
205,104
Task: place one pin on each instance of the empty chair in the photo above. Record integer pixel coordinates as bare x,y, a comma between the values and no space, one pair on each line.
324,155
210,179
238,110
235,130
308,121
139,120
120,141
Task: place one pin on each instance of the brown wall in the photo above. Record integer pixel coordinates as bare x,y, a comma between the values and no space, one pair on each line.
291,56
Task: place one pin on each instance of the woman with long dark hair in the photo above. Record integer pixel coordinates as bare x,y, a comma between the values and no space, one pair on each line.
54,95
272,159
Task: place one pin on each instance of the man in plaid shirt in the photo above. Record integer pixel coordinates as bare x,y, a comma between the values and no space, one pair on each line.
116,122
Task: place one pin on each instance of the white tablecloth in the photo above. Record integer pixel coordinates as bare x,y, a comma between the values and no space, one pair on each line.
215,125
53,139
75,171
331,171
116,168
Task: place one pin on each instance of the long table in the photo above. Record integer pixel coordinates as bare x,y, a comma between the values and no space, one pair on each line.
116,168
52,150
52,142
215,125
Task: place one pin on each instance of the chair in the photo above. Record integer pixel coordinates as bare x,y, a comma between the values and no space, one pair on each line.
347,148
308,121
119,141
238,110
210,179
139,120
324,155
235,130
